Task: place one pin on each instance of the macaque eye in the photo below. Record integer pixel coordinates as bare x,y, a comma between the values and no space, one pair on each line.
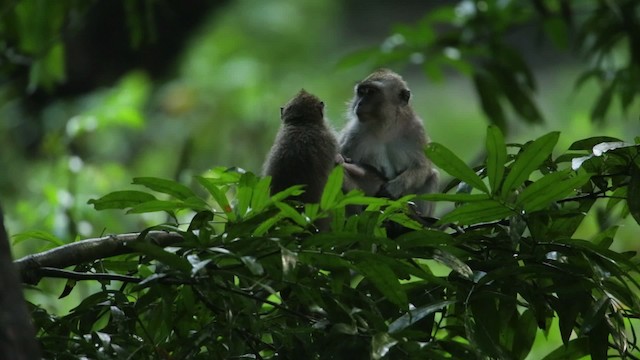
405,95
363,90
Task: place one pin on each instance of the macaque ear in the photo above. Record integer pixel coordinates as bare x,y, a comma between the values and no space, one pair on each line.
320,107
281,111
405,95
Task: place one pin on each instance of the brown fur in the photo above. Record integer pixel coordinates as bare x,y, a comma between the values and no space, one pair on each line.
305,148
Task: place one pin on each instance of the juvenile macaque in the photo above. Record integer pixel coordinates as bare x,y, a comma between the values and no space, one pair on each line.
384,132
305,149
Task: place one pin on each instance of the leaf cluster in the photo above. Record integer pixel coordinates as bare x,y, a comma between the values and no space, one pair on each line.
254,277
475,38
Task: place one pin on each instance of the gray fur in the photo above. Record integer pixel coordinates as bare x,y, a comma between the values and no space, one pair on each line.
385,133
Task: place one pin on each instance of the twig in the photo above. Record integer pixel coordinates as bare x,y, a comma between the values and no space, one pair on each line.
591,196
75,275
88,250
596,195
263,300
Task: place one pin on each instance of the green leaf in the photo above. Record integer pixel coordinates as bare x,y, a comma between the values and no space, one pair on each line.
556,30
289,262
602,104
289,212
215,188
196,204
633,192
605,238
518,66
487,91
477,212
517,93
156,252
261,196
452,262
582,79
596,315
244,193
446,160
380,345
267,225
157,205
357,58
525,334
550,188
224,176
458,197
589,143
482,327
253,265
383,278
121,200
38,235
530,159
200,220
433,69
292,191
496,157
323,260
443,14
353,198
599,341
602,148
577,162
332,189
568,310
574,350
405,221
424,238
165,186
416,315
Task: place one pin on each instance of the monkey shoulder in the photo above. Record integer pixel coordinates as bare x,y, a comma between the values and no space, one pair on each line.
352,137
306,146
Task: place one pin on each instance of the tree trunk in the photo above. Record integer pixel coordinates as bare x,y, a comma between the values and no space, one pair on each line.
17,337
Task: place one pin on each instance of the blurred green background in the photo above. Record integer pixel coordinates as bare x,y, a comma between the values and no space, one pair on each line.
175,111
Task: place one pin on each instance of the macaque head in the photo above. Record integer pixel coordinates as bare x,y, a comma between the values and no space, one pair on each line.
304,108
380,96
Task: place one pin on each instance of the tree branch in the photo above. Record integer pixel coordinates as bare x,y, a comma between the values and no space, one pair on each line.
87,250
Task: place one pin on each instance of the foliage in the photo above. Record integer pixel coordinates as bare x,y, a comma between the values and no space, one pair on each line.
254,278
479,38
86,143
33,36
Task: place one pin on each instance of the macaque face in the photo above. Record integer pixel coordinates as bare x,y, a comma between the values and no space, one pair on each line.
377,98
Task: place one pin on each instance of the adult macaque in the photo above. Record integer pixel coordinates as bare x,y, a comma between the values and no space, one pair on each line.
305,149
384,132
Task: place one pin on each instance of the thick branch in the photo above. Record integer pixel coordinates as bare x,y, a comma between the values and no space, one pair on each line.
87,250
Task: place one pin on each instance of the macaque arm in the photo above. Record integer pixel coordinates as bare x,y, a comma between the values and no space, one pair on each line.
406,181
414,181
